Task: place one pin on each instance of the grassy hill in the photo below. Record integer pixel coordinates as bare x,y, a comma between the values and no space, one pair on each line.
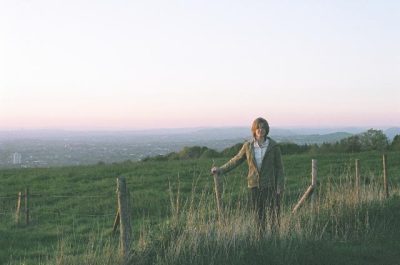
72,210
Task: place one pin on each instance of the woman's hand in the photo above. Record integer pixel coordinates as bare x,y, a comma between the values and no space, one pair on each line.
215,170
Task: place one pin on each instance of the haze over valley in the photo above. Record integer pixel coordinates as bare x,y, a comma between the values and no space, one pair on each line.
44,148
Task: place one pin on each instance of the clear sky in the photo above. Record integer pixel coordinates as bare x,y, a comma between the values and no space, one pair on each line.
159,64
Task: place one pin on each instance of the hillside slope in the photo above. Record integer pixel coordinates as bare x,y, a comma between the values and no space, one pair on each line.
72,211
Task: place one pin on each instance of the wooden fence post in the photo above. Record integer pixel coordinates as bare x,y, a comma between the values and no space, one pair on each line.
314,174
116,222
310,190
218,191
124,218
357,184
385,178
17,212
27,206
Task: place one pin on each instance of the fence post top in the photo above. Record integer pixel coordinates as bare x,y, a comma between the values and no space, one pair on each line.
121,180
121,184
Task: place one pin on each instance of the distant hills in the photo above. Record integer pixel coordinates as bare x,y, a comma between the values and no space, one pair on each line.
392,132
61,147
314,138
296,135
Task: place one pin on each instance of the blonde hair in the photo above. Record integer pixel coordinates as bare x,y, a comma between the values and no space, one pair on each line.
256,124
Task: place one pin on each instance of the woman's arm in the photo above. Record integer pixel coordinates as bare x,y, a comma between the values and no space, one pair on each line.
236,160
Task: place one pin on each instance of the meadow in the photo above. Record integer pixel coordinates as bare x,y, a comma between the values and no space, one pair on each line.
174,217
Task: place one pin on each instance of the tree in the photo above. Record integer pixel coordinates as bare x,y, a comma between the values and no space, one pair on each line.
395,146
210,153
191,152
373,140
292,148
231,151
351,144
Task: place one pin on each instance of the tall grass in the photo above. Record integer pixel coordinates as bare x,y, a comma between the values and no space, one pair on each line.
193,234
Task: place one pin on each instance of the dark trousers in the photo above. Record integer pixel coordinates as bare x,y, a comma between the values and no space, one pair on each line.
266,205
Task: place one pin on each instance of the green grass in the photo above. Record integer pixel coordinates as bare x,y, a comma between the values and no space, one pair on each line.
76,229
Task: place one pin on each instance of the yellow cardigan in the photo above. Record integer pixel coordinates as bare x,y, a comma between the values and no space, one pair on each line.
271,174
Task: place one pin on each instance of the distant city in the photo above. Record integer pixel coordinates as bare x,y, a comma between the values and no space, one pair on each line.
46,148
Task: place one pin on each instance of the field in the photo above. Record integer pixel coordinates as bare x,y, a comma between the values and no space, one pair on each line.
174,220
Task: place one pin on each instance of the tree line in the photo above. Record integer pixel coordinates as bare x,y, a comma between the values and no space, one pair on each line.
371,140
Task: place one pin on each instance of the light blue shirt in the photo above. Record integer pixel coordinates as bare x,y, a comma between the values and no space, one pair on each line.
259,152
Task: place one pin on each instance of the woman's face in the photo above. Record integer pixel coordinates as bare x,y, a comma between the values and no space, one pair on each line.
260,131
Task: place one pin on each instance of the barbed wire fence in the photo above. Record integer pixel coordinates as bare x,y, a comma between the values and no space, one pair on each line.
34,206
114,207
81,205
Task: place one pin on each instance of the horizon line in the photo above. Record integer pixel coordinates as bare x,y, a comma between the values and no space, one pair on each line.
110,129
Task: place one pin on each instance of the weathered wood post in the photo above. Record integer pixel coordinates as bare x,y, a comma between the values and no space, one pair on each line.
124,218
27,206
385,178
17,212
357,184
314,174
310,190
218,191
116,222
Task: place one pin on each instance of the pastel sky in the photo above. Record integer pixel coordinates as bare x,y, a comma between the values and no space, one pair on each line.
165,64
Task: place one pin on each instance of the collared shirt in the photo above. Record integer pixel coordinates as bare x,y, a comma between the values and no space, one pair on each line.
259,152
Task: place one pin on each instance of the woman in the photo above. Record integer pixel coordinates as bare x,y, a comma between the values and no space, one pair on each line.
265,179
